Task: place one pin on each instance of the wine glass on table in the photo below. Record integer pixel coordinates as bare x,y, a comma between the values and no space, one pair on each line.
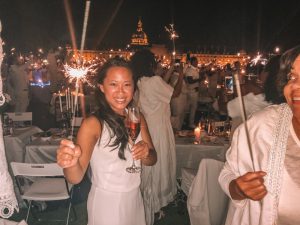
133,128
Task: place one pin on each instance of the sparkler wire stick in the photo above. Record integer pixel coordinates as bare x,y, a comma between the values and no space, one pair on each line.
86,17
243,112
79,73
74,109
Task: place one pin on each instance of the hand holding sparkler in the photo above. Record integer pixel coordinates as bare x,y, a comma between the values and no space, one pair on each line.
250,185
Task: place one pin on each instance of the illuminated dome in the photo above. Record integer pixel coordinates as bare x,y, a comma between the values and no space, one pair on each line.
139,38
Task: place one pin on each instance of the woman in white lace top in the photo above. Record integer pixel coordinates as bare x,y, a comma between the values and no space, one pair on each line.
270,194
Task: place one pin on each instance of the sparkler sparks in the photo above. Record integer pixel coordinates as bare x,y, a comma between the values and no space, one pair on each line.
171,31
258,59
173,36
80,71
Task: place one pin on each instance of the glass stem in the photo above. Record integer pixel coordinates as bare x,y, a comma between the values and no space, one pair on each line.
133,161
133,164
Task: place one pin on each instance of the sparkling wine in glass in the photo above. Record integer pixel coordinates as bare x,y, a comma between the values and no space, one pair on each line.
133,128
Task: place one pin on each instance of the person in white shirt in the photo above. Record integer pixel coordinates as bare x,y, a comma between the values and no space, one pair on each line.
153,96
18,84
257,94
192,82
179,103
265,187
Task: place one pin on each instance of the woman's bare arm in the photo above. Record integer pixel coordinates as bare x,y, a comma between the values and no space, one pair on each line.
75,158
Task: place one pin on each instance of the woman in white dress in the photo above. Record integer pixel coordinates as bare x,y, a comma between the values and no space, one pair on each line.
269,195
153,97
103,142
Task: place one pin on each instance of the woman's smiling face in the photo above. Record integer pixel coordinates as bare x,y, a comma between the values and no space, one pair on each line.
292,88
118,87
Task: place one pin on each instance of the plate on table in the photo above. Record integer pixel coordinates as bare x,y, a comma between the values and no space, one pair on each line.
43,134
211,139
21,128
57,137
185,133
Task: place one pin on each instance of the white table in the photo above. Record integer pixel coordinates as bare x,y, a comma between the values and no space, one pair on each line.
15,144
39,151
189,155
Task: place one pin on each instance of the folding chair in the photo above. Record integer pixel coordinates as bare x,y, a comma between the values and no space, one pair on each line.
21,117
207,203
48,184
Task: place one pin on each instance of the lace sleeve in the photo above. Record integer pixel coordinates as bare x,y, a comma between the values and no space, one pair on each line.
8,200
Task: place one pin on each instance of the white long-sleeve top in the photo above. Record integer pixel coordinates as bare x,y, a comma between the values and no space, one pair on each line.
268,156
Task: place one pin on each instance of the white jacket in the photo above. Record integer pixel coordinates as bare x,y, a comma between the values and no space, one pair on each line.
268,156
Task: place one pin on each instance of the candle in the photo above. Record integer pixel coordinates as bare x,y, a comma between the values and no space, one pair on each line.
67,99
60,103
197,133
72,110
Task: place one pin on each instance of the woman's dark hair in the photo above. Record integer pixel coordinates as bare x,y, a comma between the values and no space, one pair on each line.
286,63
105,112
270,86
143,64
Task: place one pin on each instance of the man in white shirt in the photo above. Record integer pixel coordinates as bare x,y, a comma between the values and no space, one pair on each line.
18,84
254,100
192,81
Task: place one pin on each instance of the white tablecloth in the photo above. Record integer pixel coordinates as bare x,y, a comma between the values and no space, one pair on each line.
15,144
189,155
39,151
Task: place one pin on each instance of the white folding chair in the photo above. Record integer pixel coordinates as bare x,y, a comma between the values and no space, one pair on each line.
21,117
48,184
207,203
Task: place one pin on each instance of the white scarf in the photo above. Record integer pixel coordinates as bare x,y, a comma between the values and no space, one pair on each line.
277,155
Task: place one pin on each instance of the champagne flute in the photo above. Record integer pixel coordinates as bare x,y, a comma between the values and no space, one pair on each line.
133,127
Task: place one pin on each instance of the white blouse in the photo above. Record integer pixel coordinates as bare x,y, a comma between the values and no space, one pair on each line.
289,207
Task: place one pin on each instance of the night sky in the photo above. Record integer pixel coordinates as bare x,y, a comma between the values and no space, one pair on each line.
204,26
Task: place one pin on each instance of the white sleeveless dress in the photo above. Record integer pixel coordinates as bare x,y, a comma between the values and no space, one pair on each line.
115,197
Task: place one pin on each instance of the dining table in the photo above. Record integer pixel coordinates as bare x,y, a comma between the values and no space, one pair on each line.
42,151
15,143
189,154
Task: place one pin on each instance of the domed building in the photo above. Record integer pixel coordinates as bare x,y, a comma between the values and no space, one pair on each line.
139,38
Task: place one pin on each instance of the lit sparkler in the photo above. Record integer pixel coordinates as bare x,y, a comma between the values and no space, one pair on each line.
258,59
77,72
173,36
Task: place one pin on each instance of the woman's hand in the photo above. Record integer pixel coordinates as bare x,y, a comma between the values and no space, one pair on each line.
250,185
68,154
140,150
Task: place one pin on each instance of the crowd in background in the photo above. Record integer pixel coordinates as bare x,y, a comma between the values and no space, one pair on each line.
30,81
